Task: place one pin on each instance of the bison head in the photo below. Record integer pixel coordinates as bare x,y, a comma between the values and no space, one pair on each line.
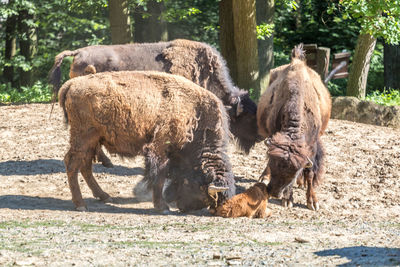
243,120
287,159
193,188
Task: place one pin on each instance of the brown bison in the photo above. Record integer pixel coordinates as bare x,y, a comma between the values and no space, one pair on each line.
293,113
252,203
195,61
180,128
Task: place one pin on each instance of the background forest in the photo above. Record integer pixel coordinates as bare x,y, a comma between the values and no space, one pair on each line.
32,32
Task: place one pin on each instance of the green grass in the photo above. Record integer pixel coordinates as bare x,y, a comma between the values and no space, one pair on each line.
38,93
386,97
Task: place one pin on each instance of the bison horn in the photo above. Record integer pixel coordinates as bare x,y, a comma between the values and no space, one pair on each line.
213,190
239,107
267,142
309,163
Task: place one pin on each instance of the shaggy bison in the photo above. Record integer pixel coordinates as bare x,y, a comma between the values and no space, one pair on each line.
198,62
293,113
252,203
180,128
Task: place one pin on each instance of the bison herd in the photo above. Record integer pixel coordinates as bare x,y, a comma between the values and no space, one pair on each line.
175,104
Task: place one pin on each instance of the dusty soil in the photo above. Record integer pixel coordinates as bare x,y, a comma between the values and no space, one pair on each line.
358,224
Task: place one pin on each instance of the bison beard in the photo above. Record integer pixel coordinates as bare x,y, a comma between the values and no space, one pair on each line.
195,61
179,127
252,203
293,113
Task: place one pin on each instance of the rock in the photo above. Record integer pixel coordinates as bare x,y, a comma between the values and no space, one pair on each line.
353,109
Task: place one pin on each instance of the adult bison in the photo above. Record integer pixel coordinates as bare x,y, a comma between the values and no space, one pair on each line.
180,128
195,61
293,113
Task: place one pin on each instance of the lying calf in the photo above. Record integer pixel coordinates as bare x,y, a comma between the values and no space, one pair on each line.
252,203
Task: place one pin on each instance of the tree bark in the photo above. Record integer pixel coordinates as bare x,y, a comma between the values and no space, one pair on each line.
120,24
152,28
392,66
357,83
265,14
238,38
27,45
10,47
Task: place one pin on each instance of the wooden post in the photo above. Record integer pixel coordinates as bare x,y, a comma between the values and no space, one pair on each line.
323,54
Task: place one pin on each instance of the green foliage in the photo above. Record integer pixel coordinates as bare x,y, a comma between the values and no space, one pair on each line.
39,92
387,97
378,18
264,30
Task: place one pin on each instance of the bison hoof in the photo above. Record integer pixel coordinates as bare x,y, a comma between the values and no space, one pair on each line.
107,164
81,208
287,203
313,206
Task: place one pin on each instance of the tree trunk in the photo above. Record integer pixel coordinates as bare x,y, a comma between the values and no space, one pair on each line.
392,66
120,24
27,45
265,14
10,47
238,39
152,28
357,83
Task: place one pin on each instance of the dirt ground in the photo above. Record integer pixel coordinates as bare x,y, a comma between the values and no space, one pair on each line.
358,224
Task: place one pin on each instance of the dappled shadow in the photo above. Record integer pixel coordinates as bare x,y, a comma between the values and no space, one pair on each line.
48,166
365,256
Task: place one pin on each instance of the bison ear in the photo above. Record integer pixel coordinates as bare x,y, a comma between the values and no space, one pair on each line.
90,69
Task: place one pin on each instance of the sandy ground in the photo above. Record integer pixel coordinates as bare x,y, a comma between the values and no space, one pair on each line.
358,224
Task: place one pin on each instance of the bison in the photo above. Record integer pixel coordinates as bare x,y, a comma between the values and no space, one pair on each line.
180,128
252,203
293,113
195,61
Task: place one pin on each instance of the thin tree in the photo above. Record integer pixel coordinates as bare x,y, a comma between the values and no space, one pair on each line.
265,16
378,18
10,45
238,40
120,24
150,25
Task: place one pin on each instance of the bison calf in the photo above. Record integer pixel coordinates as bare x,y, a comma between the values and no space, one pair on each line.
293,113
252,203
180,128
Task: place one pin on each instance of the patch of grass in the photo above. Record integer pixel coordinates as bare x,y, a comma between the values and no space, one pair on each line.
387,97
38,93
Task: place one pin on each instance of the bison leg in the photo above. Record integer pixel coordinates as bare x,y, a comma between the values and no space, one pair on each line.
287,199
87,173
156,171
263,211
265,175
312,201
73,161
105,161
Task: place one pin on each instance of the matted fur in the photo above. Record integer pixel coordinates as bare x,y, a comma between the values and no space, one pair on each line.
252,203
196,61
154,113
294,113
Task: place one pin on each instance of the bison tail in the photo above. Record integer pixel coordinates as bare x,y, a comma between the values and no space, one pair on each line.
55,72
298,52
62,96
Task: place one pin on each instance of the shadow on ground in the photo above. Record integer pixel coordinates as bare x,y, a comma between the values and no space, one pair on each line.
48,166
20,202
365,256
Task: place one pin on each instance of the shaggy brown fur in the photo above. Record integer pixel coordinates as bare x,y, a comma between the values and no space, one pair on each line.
181,129
195,61
252,203
293,113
